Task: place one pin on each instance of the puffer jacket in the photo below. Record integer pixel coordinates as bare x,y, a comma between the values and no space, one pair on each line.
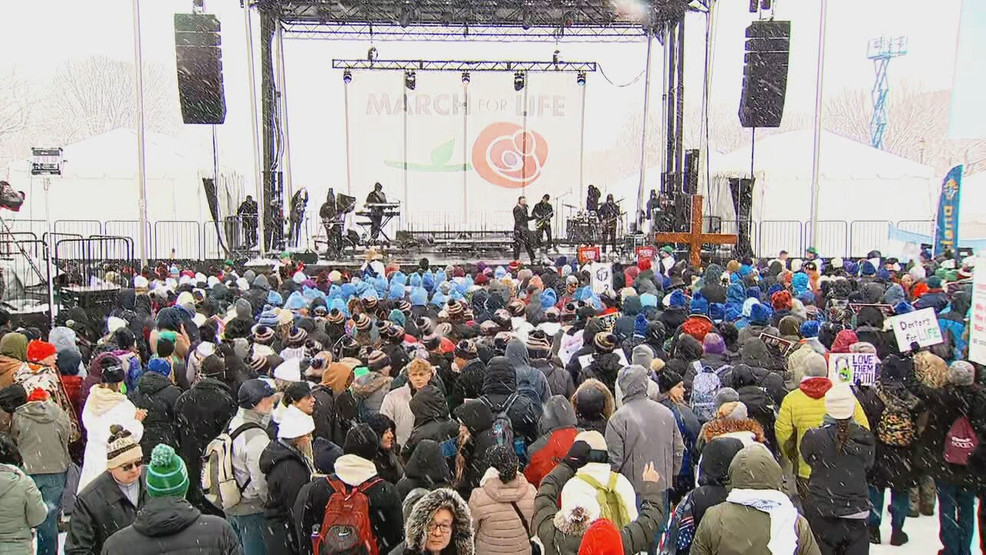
157,395
431,419
173,525
498,528
41,430
499,384
369,391
838,480
427,469
558,431
21,508
802,410
734,529
559,380
397,406
416,526
560,534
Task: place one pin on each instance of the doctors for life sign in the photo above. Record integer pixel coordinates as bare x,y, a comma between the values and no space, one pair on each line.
919,327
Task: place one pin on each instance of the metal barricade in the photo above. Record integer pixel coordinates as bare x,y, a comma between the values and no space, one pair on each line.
733,227
867,235
832,238
128,228
24,268
73,250
778,235
84,228
177,239
924,227
37,227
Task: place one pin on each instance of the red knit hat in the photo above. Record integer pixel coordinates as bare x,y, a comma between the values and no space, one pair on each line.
602,538
781,300
37,394
644,265
40,350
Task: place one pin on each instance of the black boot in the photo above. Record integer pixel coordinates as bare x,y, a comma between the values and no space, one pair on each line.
875,535
898,537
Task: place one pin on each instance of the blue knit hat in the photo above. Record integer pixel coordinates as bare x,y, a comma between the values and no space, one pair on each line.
295,301
166,475
883,274
419,297
851,267
866,268
159,366
810,329
549,299
640,325
934,282
903,307
717,312
699,305
267,317
648,300
806,298
774,289
753,293
760,314
678,299
396,291
415,280
733,313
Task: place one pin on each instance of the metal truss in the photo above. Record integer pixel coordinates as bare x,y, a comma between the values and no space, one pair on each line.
510,20
464,65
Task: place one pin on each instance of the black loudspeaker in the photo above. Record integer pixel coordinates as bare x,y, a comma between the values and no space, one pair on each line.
741,191
199,57
768,48
691,171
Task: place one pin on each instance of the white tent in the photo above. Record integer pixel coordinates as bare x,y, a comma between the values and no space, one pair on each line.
100,181
858,182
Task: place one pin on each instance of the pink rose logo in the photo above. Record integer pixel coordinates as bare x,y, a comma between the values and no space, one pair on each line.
507,156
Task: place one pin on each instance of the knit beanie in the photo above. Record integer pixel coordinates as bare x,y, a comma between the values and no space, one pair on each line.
815,366
840,403
121,447
959,373
713,344
159,366
605,342
810,329
726,395
263,334
361,441
37,394
466,349
538,345
602,538
166,475
668,380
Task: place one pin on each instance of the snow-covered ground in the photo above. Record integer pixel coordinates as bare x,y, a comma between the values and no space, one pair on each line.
923,534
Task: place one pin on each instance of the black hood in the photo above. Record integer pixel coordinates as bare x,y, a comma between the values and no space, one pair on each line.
716,456
428,404
688,348
152,382
165,516
276,452
754,353
125,299
743,376
427,465
500,378
590,403
592,327
870,316
476,415
558,414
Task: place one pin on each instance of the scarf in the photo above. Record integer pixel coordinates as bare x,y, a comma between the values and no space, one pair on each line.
783,516
102,400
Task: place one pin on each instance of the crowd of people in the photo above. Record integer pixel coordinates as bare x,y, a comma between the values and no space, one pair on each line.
495,410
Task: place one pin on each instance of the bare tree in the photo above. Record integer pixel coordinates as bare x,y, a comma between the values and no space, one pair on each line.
15,104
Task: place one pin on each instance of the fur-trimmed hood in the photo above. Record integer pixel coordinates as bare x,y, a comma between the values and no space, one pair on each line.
416,527
722,426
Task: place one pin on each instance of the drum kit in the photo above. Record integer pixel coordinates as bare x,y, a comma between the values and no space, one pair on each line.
583,228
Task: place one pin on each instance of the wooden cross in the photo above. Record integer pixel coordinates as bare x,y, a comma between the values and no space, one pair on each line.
696,238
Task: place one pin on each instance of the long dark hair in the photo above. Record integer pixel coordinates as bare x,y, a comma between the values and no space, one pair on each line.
841,434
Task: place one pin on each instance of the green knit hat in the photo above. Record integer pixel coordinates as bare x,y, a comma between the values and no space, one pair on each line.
166,475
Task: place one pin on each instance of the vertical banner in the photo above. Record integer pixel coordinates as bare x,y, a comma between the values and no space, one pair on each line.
947,223
376,135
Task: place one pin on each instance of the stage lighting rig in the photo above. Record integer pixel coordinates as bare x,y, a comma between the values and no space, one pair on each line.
347,76
466,78
580,78
410,80
520,79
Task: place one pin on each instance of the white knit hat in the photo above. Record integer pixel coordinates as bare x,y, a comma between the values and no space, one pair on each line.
294,424
840,403
289,370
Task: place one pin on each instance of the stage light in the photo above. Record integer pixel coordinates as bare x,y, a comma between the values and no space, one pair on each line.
347,76
466,77
410,80
556,57
371,54
580,78
519,81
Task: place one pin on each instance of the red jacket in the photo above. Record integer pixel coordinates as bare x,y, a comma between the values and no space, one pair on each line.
547,452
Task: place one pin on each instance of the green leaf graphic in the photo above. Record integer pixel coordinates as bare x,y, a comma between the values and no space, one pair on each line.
442,153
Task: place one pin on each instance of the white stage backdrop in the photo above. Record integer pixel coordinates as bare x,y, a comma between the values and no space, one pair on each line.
469,150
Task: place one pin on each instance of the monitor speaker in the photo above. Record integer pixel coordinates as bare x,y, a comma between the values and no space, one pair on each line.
199,57
768,47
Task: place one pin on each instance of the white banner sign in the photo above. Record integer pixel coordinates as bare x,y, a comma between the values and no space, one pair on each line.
919,327
601,275
853,368
977,322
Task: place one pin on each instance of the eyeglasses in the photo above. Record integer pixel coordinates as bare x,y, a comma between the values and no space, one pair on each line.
440,528
131,466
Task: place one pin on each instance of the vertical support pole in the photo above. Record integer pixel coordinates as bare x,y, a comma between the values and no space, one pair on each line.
51,251
141,169
349,164
465,154
283,90
817,147
257,174
643,132
405,208
581,153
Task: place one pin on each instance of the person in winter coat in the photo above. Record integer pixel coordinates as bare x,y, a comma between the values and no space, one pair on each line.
671,395
558,431
839,452
440,523
605,364
869,329
21,505
256,399
643,431
559,381
13,353
431,419
104,407
593,404
712,489
110,502
426,469
935,297
755,514
593,326
499,393
687,350
397,403
952,323
956,483
502,506
893,467
475,440
168,523
471,370
41,431
596,479
759,405
157,396
371,388
529,380
201,413
387,461
802,410
561,522
354,470
287,465
335,406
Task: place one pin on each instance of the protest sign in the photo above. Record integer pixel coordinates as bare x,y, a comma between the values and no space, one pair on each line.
601,277
919,327
645,253
977,320
854,368
777,347
589,254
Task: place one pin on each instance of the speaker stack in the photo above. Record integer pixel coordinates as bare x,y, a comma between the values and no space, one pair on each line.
199,57
768,47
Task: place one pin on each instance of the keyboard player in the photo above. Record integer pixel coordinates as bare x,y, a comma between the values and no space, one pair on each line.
377,197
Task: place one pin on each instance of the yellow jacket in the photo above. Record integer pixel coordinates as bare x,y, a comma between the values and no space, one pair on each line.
802,410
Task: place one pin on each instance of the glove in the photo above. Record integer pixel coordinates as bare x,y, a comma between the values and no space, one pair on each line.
577,456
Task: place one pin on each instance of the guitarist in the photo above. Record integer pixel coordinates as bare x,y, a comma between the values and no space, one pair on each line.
609,214
543,212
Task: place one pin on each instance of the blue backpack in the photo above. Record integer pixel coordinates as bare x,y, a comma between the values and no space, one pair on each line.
704,388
